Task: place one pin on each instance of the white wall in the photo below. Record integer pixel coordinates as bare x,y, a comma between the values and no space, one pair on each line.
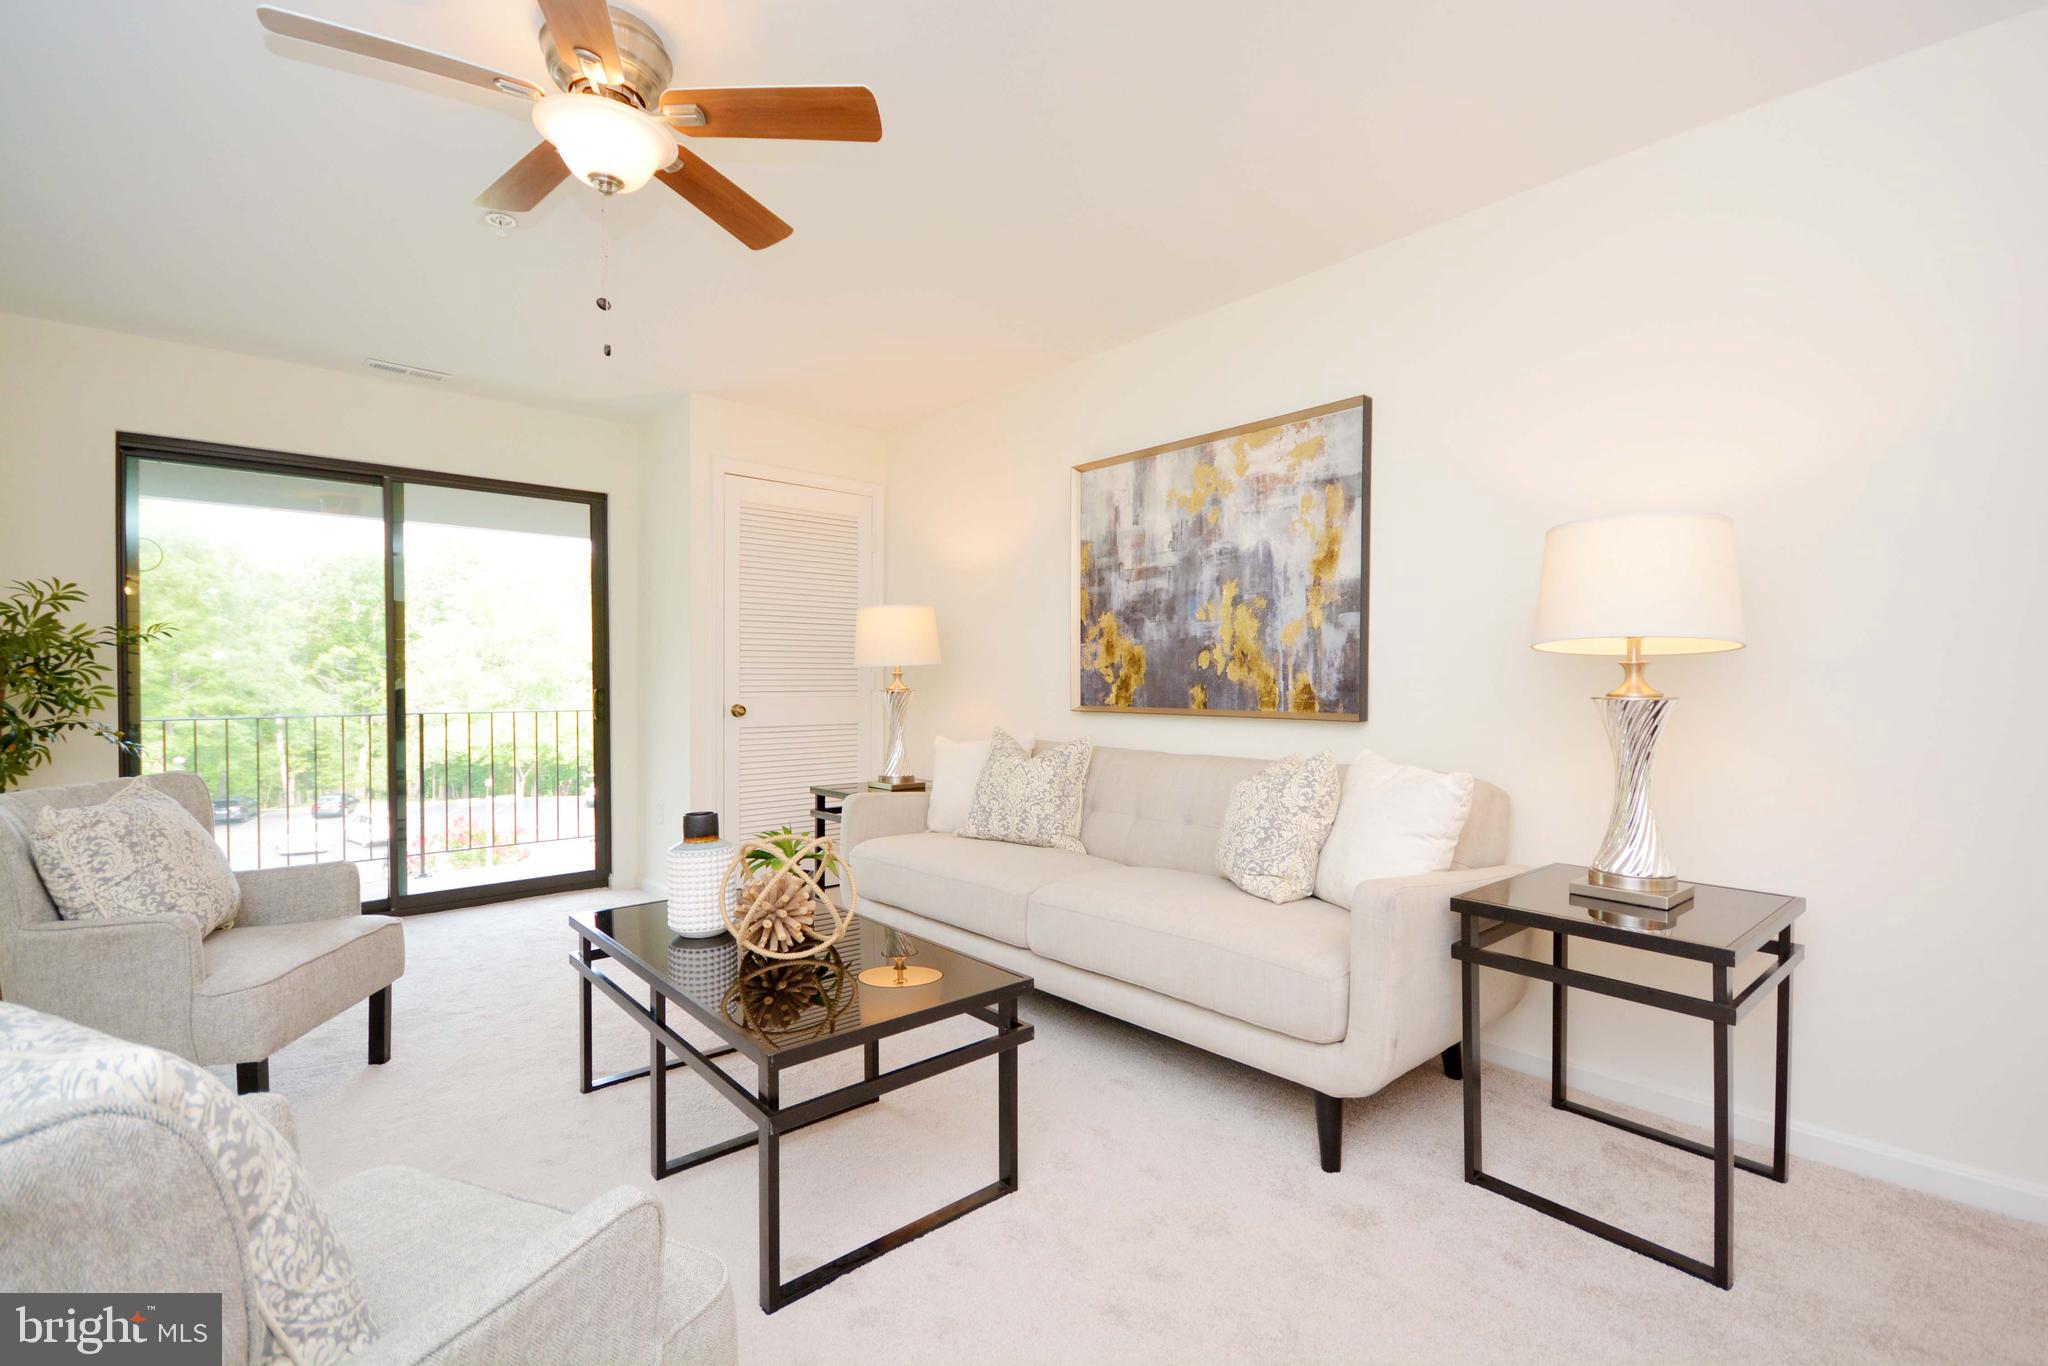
65,391
1823,317
687,451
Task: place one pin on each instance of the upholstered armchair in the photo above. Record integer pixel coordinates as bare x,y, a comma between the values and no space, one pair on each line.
299,953
121,1176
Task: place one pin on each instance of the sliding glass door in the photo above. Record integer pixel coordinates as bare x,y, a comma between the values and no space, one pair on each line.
272,687
499,688
400,671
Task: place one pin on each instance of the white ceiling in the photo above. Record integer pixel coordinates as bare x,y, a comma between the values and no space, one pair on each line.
1057,176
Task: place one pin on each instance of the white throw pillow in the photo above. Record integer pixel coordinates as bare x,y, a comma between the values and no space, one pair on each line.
137,853
312,1306
956,769
1021,799
1273,827
1394,821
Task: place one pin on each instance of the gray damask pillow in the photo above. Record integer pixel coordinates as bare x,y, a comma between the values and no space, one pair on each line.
306,1288
1026,799
1275,825
138,853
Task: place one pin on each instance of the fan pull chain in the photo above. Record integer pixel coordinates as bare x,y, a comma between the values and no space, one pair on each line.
604,260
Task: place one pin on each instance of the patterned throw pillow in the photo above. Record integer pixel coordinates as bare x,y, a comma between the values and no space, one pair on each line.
1021,799
1274,827
306,1289
138,853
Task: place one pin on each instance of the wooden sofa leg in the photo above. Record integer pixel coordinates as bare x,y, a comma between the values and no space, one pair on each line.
1454,1062
252,1076
1330,1130
380,1026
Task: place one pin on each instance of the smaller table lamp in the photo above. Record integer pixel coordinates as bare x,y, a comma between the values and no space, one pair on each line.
1633,586
895,638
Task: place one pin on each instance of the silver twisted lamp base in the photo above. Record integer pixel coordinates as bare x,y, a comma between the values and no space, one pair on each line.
895,711
1631,865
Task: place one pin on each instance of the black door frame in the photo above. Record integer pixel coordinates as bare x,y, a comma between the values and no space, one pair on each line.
390,478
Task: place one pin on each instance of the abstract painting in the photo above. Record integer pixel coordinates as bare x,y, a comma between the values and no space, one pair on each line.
1225,575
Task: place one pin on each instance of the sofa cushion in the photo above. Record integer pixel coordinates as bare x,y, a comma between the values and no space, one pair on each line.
138,853
956,773
265,985
418,1238
1195,937
1274,827
979,885
1395,820
1024,798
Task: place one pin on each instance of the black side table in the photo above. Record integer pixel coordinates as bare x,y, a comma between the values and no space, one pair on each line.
1721,927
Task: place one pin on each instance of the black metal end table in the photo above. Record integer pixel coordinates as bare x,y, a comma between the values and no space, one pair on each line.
1721,927
781,1013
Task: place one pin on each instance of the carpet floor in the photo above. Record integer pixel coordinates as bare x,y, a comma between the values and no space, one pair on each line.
1171,1208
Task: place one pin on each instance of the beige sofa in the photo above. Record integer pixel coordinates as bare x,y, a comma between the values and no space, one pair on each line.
1341,999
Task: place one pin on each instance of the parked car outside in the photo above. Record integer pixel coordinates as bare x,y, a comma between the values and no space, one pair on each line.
370,832
334,804
232,810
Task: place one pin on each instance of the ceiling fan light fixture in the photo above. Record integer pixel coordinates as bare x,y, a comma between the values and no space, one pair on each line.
605,143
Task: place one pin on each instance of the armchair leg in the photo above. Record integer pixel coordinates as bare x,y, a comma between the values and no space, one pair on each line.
1330,1130
380,1026
252,1076
1454,1062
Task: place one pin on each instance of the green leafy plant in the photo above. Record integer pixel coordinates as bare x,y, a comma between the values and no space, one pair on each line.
52,676
788,841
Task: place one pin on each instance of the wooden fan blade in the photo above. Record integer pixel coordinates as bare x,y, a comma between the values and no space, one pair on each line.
723,202
529,181
586,24
304,26
828,113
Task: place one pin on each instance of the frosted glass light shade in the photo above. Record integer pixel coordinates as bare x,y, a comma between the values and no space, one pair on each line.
895,637
1666,578
697,895
601,137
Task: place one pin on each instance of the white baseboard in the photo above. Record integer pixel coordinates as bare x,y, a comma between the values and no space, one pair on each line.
1915,1171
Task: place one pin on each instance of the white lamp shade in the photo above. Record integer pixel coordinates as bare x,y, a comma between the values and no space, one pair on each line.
895,637
1666,578
597,136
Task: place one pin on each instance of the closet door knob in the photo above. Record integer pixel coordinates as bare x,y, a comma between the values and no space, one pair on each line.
739,709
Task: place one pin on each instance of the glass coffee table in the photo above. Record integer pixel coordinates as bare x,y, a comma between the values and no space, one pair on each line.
779,1014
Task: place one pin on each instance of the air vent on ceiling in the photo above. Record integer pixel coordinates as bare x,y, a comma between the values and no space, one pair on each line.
392,367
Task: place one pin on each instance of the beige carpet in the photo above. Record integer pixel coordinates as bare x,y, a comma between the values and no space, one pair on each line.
1171,1208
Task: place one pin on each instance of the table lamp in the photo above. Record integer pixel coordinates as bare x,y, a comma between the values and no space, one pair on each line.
1631,587
895,638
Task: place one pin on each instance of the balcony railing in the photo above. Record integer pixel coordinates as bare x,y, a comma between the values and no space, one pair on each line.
482,788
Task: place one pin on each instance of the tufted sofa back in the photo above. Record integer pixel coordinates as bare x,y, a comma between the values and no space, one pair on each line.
1151,809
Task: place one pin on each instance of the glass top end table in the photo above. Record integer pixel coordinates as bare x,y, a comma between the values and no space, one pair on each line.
779,1013
1722,928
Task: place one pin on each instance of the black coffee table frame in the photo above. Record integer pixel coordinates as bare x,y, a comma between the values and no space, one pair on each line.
773,1120
1483,923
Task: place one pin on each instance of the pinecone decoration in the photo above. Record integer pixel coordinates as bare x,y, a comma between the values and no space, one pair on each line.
781,914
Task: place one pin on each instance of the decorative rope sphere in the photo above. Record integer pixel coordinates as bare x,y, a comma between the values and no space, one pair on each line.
753,887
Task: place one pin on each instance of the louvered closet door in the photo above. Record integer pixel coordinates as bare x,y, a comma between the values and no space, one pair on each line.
798,563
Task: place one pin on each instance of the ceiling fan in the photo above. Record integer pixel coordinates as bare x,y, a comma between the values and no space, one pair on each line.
613,125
